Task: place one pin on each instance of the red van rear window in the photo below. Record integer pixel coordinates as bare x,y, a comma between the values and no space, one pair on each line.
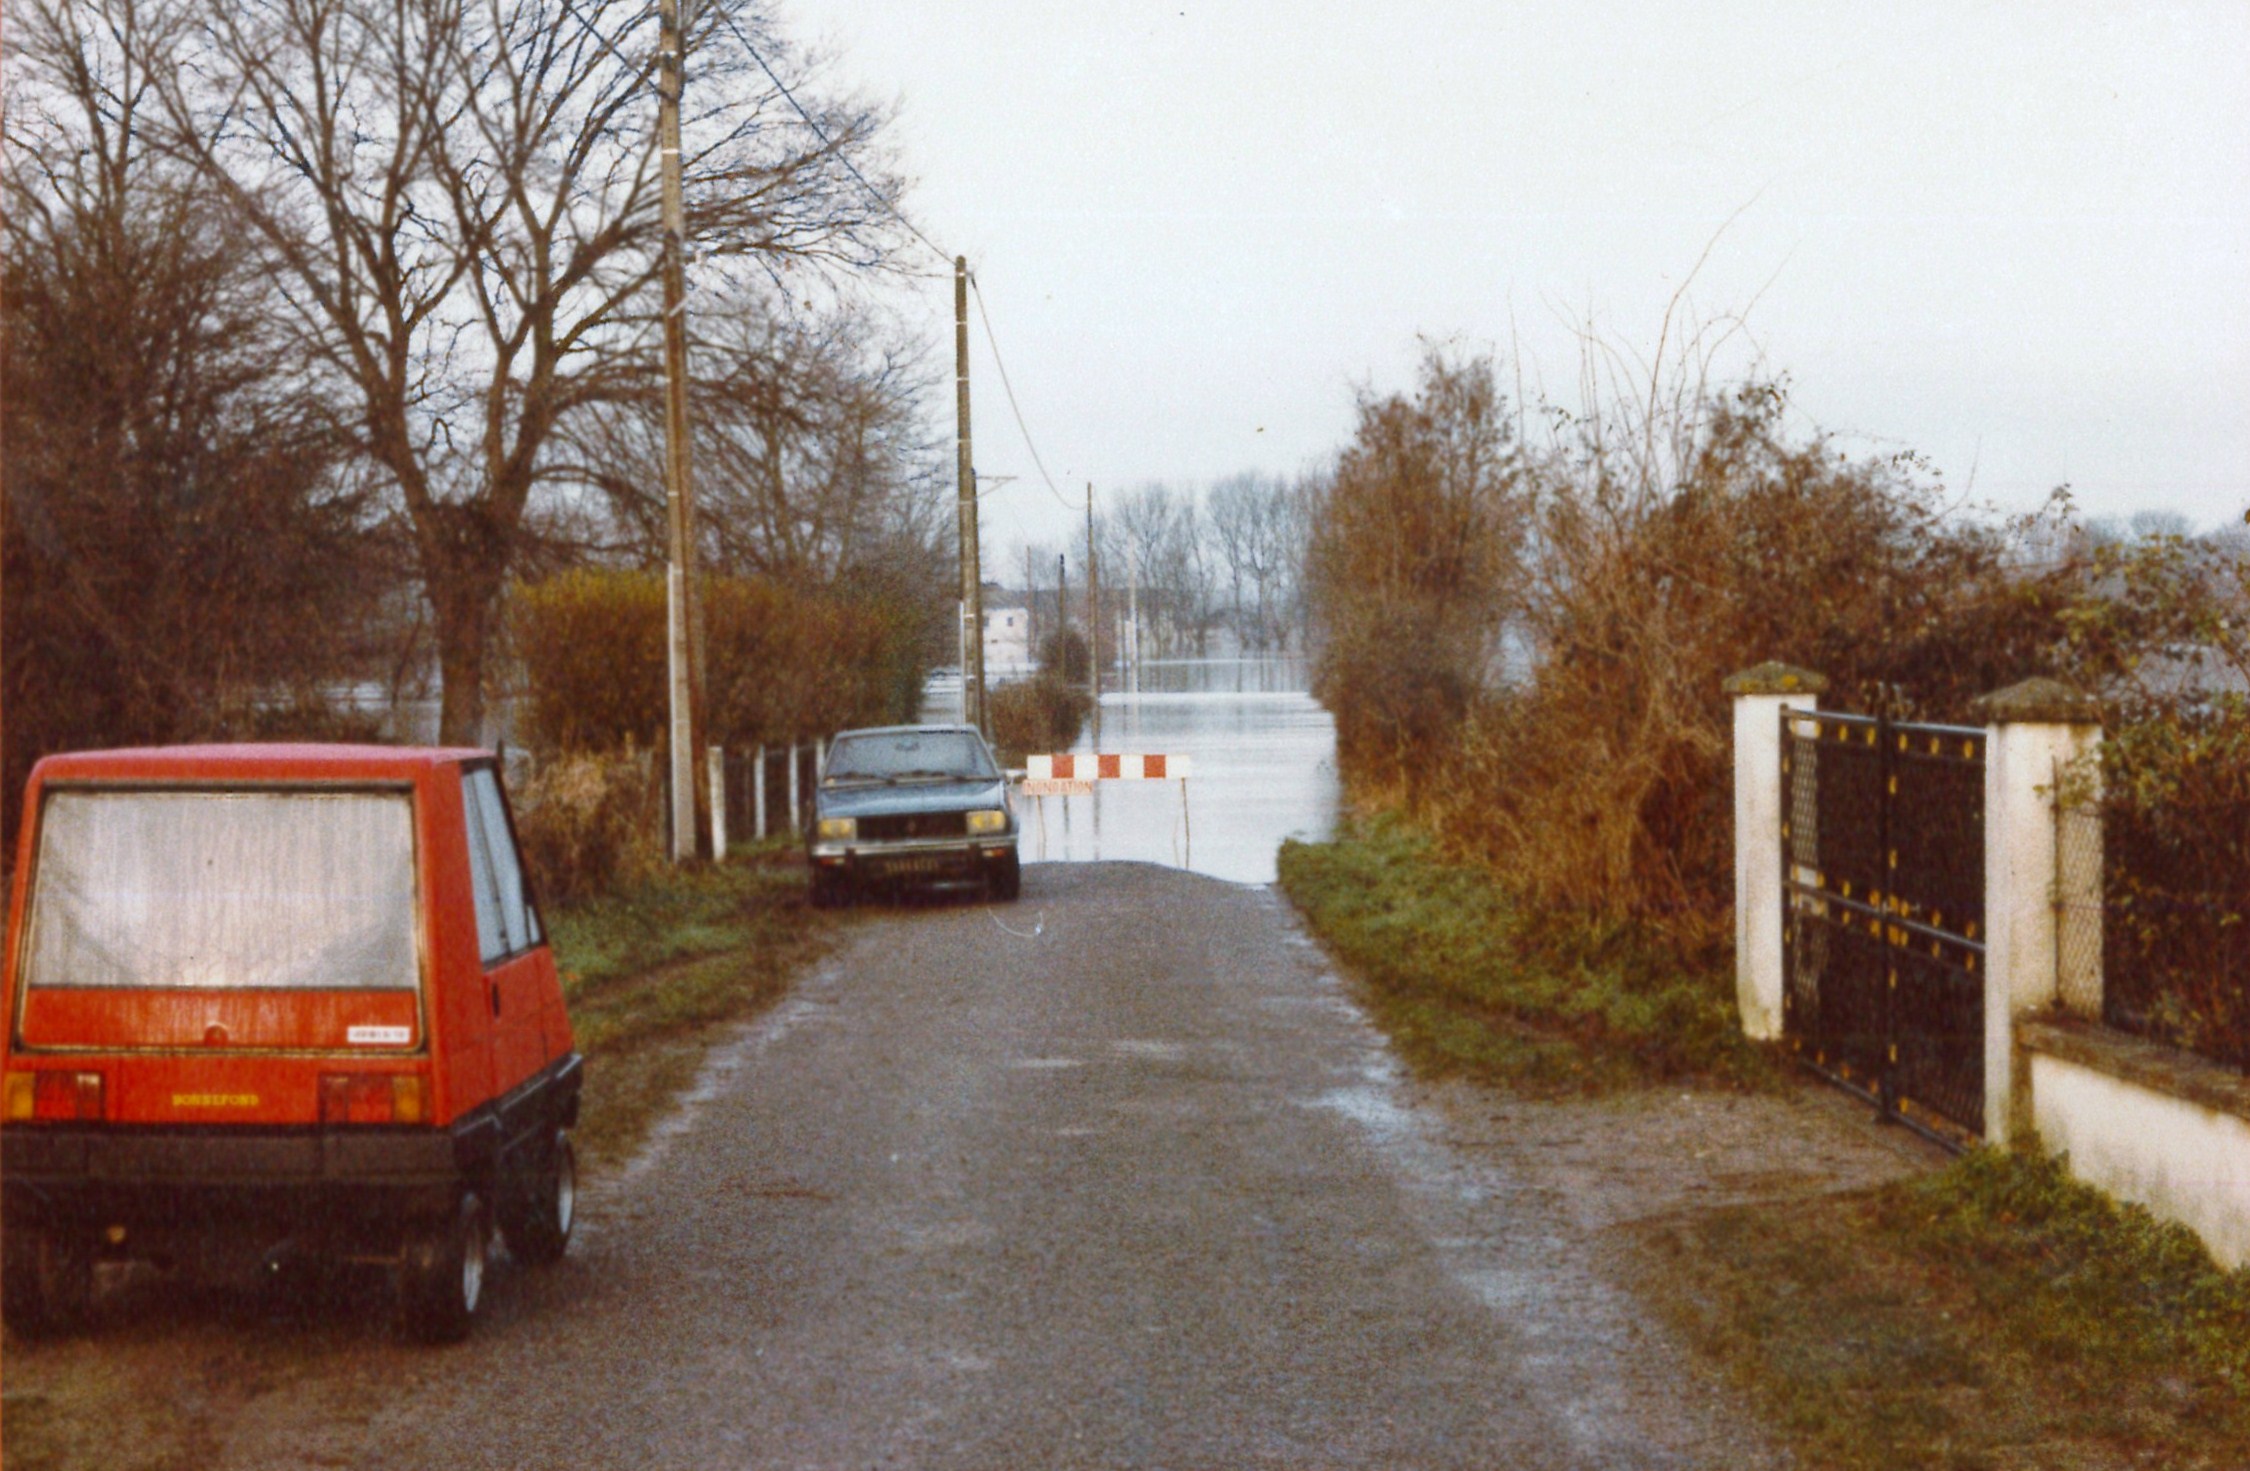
269,889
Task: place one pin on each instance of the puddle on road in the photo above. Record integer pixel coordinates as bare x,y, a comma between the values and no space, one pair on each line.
1149,1050
1517,1250
610,1195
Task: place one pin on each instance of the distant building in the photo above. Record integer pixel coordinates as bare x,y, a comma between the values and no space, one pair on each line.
1007,635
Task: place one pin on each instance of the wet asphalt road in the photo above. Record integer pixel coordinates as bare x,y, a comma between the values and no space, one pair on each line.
1116,1176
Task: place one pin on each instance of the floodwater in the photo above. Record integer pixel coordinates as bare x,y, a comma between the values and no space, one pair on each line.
1262,761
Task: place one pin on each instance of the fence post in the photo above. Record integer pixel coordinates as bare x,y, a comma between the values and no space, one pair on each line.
758,792
796,760
715,759
1759,695
2035,731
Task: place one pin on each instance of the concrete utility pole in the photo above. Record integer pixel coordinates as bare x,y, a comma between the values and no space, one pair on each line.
1093,606
681,644
1062,605
1093,619
965,474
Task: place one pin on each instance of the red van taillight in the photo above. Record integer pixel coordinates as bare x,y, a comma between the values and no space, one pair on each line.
371,1098
54,1096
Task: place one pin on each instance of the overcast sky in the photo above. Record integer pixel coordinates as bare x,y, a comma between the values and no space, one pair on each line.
2013,237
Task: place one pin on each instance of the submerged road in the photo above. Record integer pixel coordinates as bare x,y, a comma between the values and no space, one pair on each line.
1117,1176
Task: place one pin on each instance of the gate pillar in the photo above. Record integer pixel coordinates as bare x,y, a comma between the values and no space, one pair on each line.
1759,695
2036,730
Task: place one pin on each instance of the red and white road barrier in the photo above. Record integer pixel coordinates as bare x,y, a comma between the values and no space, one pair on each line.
1081,766
1075,774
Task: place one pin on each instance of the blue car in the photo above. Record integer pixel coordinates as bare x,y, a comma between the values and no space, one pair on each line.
912,806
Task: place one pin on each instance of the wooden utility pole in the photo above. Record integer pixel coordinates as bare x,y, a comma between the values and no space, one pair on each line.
965,473
681,645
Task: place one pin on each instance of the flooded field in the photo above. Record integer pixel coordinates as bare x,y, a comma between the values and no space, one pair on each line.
1263,761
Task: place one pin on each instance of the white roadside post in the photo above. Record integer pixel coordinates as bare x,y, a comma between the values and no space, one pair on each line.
2035,731
796,760
716,760
758,792
1759,697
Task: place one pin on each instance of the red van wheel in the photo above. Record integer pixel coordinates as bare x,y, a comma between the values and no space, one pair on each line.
537,1224
46,1282
441,1276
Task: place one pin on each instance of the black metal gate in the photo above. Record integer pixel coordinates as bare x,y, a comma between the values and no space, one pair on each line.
1882,851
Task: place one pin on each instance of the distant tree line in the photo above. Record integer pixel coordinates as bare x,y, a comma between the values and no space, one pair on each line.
1207,565
330,321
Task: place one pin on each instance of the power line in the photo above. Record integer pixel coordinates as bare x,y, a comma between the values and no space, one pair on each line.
822,134
991,339
1021,428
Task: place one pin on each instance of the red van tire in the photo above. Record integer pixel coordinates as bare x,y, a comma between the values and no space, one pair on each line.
831,891
441,1274
537,1222
46,1282
1004,880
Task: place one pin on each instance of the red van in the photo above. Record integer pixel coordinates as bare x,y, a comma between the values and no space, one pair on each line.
294,999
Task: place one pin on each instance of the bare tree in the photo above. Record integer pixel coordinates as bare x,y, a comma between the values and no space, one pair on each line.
1302,506
457,201
813,450
1249,518
185,548
1156,534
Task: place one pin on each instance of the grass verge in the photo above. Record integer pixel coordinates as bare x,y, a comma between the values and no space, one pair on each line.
1468,983
1996,1314
648,970
1992,1316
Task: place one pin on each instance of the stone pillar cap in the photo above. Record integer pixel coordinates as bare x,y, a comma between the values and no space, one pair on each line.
2039,701
1775,678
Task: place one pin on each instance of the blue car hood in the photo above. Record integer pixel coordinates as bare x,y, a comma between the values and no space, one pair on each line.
876,799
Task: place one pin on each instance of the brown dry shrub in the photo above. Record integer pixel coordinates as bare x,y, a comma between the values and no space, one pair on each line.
1412,567
1599,782
590,822
784,663
1043,714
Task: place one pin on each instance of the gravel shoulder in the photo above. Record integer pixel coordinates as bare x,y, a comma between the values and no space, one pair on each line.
1115,1176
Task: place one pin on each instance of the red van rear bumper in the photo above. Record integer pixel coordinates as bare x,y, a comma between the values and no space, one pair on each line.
346,1185
144,1191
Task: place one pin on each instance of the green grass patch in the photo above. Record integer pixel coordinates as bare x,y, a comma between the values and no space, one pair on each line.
1467,982
649,970
1996,1314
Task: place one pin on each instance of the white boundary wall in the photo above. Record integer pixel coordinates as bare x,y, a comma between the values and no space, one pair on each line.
2184,1160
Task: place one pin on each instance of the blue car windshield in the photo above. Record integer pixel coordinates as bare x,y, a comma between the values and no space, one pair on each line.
910,755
